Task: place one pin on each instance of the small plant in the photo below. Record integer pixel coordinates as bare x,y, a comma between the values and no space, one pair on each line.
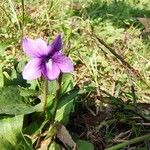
39,115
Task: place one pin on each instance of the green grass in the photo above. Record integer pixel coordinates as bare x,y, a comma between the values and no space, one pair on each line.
96,68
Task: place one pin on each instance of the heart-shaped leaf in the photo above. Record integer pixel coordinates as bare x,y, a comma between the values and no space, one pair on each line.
65,106
11,136
12,103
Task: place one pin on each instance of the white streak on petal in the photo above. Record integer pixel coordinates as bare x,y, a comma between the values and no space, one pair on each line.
51,71
49,64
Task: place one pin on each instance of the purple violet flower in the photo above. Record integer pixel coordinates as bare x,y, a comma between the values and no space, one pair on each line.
46,60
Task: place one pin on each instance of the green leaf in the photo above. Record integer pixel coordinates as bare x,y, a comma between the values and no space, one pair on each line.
65,105
13,74
53,86
33,84
7,75
39,107
50,105
27,92
82,145
31,129
20,65
67,83
11,137
12,103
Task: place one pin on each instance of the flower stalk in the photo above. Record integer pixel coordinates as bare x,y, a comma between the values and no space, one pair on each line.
57,97
45,94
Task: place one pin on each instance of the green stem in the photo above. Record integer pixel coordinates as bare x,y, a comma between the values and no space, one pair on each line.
45,94
57,98
129,142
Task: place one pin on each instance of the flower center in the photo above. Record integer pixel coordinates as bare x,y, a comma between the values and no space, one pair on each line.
49,64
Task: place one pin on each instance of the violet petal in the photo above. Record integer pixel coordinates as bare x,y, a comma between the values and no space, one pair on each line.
42,46
32,70
63,62
55,46
35,48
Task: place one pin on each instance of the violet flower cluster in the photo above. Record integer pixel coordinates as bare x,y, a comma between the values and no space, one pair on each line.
47,60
